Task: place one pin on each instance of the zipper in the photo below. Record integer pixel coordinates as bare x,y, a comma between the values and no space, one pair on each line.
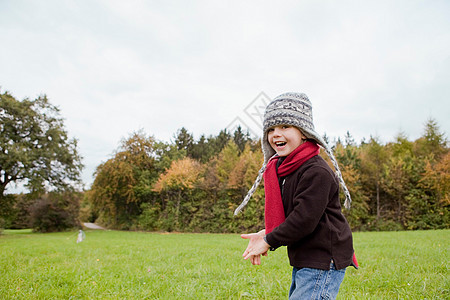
282,187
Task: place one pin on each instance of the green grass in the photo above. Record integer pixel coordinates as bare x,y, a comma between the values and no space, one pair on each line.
136,265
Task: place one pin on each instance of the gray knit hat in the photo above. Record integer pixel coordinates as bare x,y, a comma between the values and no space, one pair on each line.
293,109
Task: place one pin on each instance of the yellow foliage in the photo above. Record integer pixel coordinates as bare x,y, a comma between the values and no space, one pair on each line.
183,174
226,162
437,177
246,169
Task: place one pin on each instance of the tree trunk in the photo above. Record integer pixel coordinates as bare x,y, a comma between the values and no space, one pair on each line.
178,209
378,201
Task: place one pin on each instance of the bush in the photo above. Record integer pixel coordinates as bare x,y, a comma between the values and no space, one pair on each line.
149,218
54,212
22,205
383,225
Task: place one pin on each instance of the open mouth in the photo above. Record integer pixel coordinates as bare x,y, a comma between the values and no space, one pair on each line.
280,144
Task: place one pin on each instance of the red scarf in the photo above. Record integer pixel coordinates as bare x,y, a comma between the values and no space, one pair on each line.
274,210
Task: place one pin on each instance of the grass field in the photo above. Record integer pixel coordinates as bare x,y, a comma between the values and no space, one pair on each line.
136,265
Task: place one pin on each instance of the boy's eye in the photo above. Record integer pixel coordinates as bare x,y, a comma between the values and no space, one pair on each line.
270,130
286,126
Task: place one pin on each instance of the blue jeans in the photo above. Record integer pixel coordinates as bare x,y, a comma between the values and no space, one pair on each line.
315,284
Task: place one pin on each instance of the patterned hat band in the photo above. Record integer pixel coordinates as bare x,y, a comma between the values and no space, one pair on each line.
283,117
293,109
289,108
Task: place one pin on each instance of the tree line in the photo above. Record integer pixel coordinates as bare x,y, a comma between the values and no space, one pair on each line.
189,185
195,185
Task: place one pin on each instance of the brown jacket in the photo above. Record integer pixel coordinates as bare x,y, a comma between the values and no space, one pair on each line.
315,230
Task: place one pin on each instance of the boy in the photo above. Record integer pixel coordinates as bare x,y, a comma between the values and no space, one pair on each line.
302,208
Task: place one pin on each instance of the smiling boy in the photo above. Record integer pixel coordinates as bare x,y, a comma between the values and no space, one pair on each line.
284,139
302,207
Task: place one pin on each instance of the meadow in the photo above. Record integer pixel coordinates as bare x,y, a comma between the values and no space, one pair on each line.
139,265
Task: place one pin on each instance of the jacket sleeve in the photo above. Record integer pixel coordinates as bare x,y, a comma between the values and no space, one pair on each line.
315,187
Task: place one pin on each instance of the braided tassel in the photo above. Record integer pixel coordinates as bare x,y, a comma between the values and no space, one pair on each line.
348,199
252,190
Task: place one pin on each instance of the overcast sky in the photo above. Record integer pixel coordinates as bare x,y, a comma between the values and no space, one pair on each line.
114,67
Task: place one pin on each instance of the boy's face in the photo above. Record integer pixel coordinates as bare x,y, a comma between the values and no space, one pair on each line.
284,139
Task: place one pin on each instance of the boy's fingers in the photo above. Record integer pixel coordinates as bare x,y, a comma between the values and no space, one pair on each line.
248,256
245,236
256,260
247,251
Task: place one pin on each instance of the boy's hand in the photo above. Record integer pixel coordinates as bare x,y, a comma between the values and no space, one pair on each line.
256,247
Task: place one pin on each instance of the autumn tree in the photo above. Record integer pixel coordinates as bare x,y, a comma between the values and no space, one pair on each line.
437,178
241,179
397,183
175,186
226,161
349,160
427,200
373,159
434,213
245,170
34,146
122,183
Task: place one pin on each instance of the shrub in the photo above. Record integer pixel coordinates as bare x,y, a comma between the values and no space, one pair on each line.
384,225
149,217
54,212
22,205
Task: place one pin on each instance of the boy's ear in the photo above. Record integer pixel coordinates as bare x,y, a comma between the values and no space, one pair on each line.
303,137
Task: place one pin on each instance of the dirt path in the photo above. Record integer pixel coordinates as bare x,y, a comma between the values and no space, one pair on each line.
92,226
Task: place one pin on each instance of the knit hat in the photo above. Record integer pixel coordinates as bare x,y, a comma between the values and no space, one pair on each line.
293,109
